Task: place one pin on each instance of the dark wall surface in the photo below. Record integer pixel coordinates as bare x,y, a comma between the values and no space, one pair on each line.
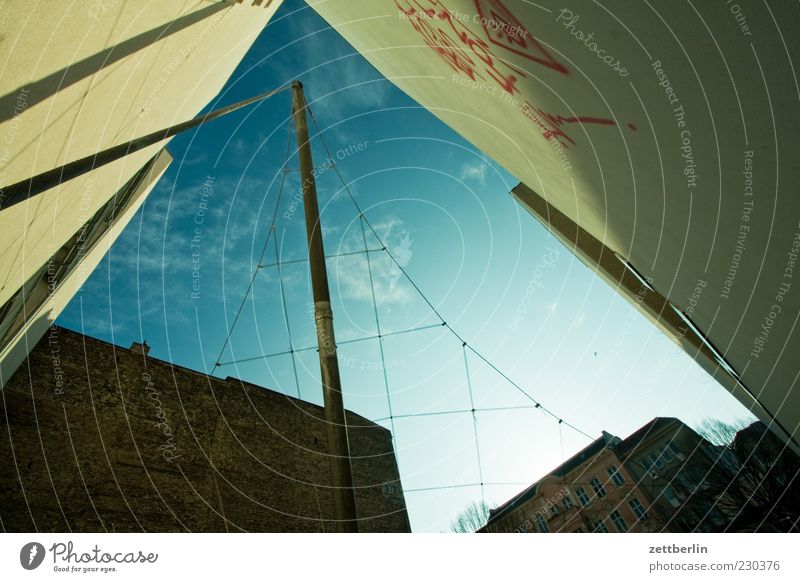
95,437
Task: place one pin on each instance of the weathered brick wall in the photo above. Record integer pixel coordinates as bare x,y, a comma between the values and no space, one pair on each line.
95,438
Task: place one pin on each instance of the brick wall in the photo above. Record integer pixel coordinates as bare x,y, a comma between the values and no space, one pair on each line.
97,437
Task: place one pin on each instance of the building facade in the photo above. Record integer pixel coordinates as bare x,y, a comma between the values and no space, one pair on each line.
102,438
670,460
638,484
107,73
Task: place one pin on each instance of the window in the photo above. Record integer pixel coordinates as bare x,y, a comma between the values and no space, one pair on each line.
674,448
638,508
656,460
684,481
670,496
600,526
667,455
619,521
541,523
554,509
582,497
598,487
645,463
567,501
616,476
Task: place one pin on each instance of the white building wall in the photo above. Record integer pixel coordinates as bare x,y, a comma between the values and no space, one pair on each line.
79,77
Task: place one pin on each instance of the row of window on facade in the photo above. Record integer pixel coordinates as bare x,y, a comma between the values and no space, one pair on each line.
663,456
585,500
654,460
600,524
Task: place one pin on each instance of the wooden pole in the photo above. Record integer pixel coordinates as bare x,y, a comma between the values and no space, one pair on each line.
335,420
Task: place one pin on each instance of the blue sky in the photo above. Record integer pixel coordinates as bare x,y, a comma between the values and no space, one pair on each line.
444,210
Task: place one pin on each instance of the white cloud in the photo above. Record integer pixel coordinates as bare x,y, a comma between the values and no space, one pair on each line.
476,171
352,275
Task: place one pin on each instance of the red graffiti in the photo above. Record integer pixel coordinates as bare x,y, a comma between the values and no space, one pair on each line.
458,46
503,29
467,53
550,124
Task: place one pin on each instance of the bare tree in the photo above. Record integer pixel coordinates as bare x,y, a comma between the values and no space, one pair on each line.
719,433
753,480
471,519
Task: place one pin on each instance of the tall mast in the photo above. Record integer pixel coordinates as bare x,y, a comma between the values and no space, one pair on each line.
335,420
